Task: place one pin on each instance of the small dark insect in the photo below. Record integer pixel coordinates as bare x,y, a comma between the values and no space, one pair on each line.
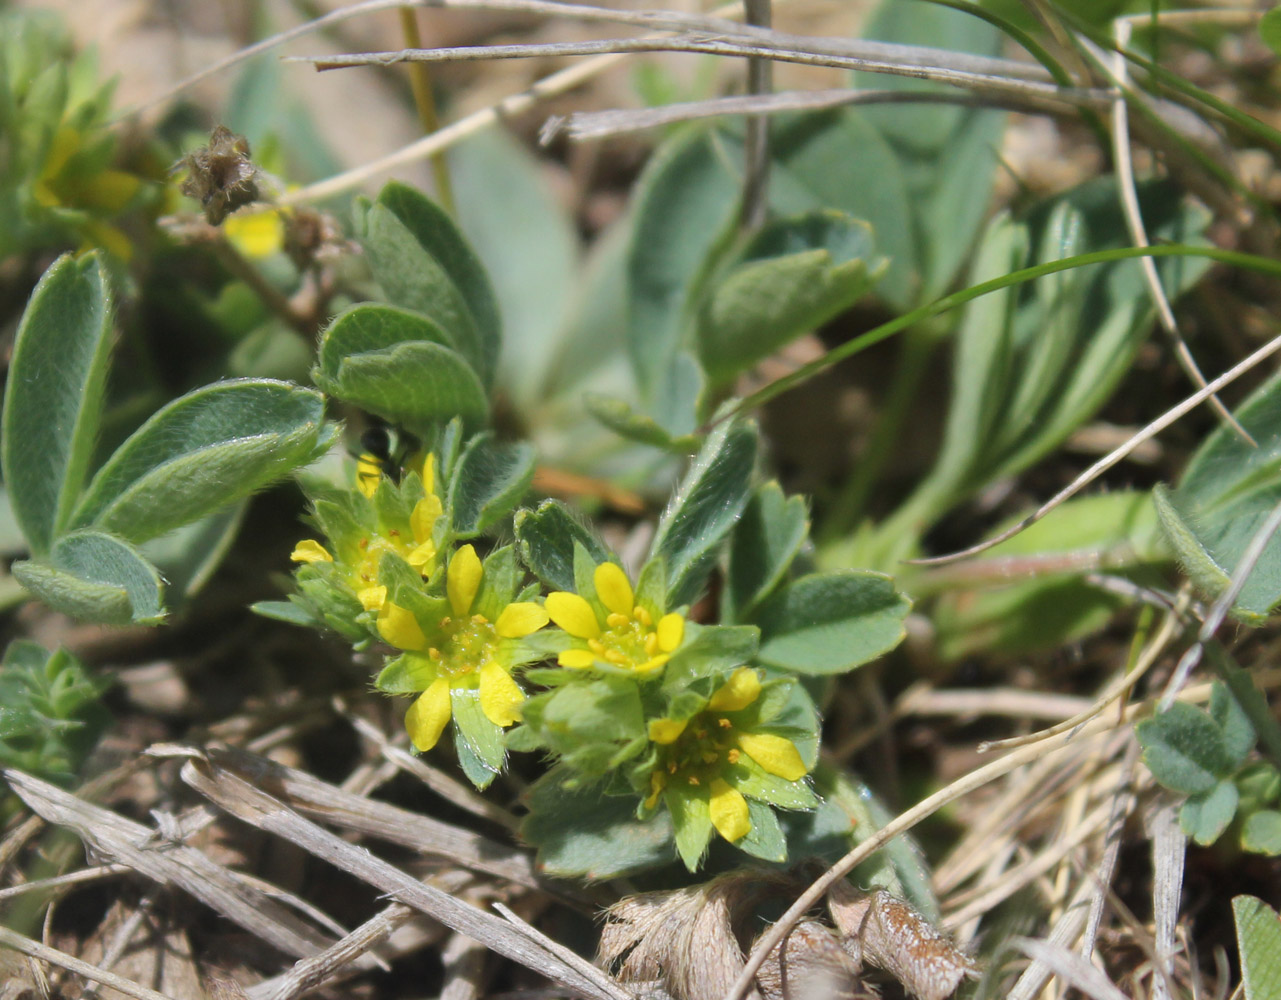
221,176
383,451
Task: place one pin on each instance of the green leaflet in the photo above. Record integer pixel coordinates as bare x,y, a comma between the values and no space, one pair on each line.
53,395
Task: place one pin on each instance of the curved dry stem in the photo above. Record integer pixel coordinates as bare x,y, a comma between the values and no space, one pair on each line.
1113,457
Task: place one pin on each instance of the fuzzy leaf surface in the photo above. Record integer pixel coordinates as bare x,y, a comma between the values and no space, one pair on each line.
53,395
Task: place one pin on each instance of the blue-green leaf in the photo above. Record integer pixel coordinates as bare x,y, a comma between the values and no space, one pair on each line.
1205,816
765,541
1184,749
372,326
827,623
1261,832
53,395
415,384
423,263
705,508
685,205
207,449
95,577
490,479
545,538
1259,942
792,277
580,831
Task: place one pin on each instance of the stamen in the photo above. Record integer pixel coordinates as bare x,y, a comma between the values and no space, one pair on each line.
615,620
723,723
642,616
671,767
394,532
693,779
709,757
434,653
733,755
479,620
651,644
363,544
615,657
596,646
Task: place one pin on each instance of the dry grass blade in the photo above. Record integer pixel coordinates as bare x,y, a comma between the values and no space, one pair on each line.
1169,846
253,806
579,126
1072,968
112,836
309,973
16,941
319,800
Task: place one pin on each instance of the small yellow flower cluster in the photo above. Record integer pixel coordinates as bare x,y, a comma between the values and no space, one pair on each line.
698,756
616,633
361,565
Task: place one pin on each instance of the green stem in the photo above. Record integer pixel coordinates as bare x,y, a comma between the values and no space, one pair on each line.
272,297
425,102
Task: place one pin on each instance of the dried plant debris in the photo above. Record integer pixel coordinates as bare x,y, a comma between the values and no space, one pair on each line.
887,932
690,942
221,176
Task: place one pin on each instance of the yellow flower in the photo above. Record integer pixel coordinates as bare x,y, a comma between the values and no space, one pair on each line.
716,756
614,632
359,556
461,653
256,234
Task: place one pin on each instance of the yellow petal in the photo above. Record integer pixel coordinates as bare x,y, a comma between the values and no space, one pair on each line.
671,630
310,551
613,589
500,696
729,811
256,234
427,716
429,474
110,190
463,580
742,688
424,516
657,782
578,659
400,628
423,558
519,620
372,598
666,730
775,754
651,664
368,472
572,613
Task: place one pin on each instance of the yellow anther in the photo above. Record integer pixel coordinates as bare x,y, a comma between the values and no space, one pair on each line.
615,657
596,646
615,620
723,723
671,767
733,755
651,644
642,616
363,544
394,532
434,653
709,757
693,780
479,620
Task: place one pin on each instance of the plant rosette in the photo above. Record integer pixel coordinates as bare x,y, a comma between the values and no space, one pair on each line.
724,766
458,653
341,578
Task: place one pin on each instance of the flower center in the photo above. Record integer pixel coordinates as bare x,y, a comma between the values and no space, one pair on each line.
627,640
468,645
700,753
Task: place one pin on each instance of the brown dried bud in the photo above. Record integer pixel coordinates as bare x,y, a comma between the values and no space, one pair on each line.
220,176
887,932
